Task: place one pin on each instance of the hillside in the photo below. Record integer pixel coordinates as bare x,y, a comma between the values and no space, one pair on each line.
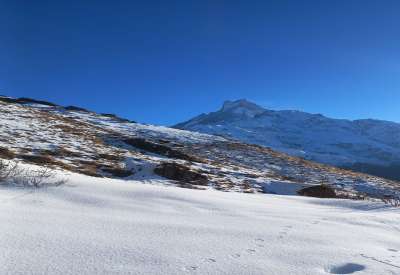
368,145
104,145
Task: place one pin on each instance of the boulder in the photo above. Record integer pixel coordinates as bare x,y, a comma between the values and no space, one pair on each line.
318,191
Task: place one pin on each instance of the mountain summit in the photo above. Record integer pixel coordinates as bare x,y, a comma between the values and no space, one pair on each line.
368,145
230,111
242,107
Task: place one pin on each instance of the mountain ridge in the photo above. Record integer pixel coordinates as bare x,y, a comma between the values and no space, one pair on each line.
232,103
367,145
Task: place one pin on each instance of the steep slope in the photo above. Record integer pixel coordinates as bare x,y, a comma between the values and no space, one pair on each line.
371,146
104,145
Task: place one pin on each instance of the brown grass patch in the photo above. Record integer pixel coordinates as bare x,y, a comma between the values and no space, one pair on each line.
39,159
6,153
117,172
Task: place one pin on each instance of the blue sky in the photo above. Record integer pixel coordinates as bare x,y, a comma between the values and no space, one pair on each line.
165,61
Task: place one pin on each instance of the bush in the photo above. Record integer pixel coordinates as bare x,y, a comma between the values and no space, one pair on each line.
11,173
6,171
395,202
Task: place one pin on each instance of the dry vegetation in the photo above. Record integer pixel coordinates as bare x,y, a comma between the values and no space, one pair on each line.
12,173
394,202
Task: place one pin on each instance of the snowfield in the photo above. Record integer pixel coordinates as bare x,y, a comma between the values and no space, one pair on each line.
109,226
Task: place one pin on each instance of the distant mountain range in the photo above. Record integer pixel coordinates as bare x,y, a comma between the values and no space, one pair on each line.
367,145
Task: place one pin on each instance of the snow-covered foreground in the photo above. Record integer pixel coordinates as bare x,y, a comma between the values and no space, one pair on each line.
104,226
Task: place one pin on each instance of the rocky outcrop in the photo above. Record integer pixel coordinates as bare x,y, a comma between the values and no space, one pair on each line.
318,191
181,173
77,109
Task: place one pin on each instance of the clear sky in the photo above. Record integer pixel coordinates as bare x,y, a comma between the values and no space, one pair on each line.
165,61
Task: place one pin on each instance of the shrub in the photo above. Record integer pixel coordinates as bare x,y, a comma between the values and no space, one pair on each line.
6,170
11,173
395,202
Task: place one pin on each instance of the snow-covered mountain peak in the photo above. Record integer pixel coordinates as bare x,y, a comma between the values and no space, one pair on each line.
242,107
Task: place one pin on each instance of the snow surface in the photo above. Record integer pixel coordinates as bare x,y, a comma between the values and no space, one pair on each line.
107,226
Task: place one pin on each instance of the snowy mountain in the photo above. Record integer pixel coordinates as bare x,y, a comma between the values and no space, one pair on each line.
371,146
104,145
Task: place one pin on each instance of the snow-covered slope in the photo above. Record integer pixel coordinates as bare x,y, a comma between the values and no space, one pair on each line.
367,145
106,226
103,145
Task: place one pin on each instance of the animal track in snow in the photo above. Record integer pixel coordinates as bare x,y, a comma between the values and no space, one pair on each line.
251,251
285,231
191,268
236,256
259,242
386,262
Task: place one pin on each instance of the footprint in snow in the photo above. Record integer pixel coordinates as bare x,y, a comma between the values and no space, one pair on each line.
259,242
392,250
211,260
285,231
251,251
348,268
383,261
191,268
